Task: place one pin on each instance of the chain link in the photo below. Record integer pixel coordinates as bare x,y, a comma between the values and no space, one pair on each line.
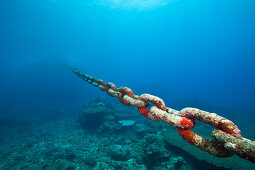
226,140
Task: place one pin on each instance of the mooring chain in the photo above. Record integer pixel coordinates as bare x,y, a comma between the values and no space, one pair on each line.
226,140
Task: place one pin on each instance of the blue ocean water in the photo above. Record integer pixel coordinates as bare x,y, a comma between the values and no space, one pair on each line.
190,53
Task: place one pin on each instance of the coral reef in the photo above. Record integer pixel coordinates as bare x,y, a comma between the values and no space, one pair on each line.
104,116
71,145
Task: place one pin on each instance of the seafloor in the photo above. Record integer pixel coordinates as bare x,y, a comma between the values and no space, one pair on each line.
104,135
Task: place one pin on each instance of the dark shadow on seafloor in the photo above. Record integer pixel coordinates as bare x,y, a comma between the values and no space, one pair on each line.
196,163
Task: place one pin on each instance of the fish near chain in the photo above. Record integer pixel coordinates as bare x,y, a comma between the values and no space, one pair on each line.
226,140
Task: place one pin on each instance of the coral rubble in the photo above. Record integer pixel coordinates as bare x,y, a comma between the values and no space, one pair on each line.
106,136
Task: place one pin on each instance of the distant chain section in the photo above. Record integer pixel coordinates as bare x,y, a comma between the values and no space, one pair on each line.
226,140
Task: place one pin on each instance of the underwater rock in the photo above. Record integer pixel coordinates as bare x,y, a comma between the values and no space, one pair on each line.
93,115
54,153
90,161
109,117
101,101
126,113
104,117
117,165
141,130
70,154
33,167
177,163
154,151
10,163
119,153
110,127
60,164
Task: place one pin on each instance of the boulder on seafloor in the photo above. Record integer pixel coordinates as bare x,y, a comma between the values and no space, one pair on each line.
93,115
177,163
60,164
154,151
90,161
101,101
141,130
104,116
119,153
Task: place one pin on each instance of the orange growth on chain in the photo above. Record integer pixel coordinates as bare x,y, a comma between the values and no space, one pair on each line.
123,102
103,88
188,123
230,127
187,135
130,93
144,111
127,91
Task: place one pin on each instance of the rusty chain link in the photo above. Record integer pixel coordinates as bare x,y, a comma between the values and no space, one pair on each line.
226,140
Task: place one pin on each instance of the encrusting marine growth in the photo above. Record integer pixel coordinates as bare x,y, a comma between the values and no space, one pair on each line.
226,140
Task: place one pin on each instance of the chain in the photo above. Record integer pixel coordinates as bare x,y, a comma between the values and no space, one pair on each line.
226,140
